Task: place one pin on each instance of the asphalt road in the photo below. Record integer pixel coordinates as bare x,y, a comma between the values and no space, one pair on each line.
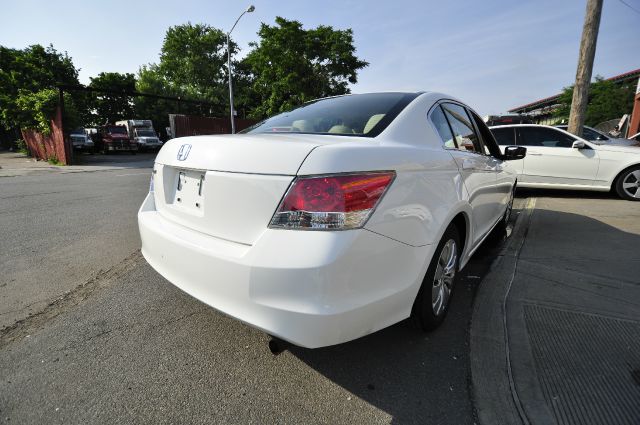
59,228
126,346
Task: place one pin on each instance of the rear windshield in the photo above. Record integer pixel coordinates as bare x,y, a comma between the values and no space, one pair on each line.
145,133
363,115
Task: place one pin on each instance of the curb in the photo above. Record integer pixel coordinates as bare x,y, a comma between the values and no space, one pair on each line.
494,395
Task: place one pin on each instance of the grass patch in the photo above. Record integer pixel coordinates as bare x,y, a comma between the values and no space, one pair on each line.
53,160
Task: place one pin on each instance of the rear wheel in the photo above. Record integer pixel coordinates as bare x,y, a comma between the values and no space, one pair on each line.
502,225
432,303
628,184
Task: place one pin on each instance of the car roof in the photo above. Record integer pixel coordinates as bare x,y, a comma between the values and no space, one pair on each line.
525,125
369,92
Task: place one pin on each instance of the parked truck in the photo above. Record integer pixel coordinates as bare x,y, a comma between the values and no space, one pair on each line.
113,138
81,140
143,133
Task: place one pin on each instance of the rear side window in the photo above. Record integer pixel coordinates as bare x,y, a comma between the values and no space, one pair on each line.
546,137
442,127
505,136
589,134
463,131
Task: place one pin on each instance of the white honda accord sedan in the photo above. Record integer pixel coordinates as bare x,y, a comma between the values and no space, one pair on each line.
557,159
332,221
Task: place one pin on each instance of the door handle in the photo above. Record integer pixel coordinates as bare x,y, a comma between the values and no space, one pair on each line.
534,153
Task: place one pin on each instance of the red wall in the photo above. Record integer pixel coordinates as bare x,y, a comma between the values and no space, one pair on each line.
45,147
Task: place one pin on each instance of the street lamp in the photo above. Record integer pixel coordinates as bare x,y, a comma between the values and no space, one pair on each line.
233,121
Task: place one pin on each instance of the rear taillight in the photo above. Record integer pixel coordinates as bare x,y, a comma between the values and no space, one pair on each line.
334,202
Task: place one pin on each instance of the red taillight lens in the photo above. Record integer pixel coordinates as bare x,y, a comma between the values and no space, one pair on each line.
331,202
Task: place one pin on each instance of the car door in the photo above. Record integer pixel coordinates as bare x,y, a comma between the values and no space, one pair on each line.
503,169
506,136
551,159
478,170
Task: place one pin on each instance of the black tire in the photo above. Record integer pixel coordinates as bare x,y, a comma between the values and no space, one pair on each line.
628,184
426,313
504,221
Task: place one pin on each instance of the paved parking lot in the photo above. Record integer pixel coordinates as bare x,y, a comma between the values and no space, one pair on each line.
125,344
100,337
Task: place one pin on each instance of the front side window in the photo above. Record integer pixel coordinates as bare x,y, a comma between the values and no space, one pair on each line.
364,115
545,137
145,133
463,131
505,136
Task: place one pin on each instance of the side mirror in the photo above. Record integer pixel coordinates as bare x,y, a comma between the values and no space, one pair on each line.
578,144
512,153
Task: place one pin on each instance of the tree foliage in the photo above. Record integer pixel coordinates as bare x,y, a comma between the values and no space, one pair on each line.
192,66
607,100
287,66
28,79
112,107
291,65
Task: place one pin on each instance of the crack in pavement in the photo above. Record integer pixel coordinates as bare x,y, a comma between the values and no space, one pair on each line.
24,327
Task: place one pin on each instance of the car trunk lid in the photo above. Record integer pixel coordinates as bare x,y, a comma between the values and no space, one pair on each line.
227,186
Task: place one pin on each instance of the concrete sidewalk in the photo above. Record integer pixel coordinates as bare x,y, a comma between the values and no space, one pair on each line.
555,332
14,164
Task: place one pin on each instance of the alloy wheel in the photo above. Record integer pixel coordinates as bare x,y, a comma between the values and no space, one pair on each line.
444,277
631,184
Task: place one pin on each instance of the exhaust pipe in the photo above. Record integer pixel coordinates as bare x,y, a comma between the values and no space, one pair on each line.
277,346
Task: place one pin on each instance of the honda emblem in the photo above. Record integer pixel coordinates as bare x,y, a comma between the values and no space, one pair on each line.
183,153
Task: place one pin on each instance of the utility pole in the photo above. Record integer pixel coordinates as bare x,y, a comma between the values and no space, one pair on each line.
585,66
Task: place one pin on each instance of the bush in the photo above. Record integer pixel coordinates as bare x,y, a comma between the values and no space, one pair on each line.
21,146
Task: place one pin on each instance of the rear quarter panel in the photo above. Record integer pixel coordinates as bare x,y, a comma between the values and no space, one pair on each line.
426,190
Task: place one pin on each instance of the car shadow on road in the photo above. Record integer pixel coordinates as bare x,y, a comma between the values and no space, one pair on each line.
413,376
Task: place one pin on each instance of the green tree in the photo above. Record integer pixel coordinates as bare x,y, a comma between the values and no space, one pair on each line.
108,107
150,81
291,65
192,66
29,77
607,100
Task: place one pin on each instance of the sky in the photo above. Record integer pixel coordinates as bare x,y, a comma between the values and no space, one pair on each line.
492,54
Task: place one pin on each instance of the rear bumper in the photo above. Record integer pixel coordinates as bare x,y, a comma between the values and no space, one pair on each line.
312,289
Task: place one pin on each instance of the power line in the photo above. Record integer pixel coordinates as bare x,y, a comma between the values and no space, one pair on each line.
629,6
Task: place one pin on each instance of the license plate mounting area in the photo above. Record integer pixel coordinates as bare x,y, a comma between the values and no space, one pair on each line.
188,193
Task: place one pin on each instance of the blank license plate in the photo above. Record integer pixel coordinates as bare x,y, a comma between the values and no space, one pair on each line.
189,190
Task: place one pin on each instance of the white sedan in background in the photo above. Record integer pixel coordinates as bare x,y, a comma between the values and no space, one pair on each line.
557,159
332,221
